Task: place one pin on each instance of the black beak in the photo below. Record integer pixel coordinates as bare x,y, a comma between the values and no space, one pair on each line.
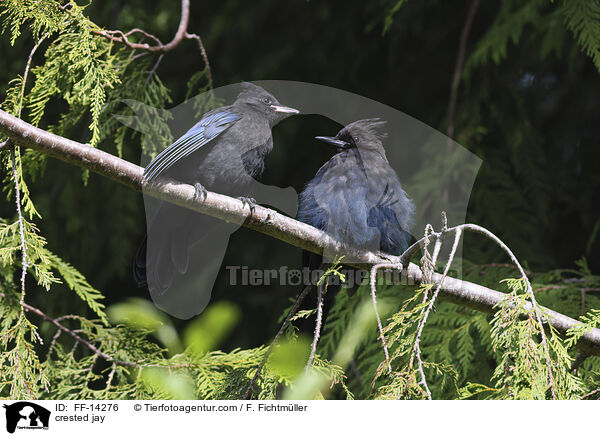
338,143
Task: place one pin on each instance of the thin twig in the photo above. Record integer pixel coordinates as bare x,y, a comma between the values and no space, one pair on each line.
321,289
539,316
121,37
110,376
153,70
589,394
373,279
8,143
293,311
458,68
438,242
416,347
182,33
21,227
204,57
53,343
460,60
143,32
75,336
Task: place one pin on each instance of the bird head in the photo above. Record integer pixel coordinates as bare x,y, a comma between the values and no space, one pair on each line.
364,135
263,102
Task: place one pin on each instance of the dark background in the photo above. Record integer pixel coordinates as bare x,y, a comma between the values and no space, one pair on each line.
531,116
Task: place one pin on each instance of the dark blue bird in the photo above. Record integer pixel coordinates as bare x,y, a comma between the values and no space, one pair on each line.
356,196
224,152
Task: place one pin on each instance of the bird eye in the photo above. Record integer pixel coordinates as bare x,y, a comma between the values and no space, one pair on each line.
355,139
266,100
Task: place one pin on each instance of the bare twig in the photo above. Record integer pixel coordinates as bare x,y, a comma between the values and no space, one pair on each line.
204,57
21,227
74,335
438,242
26,73
13,152
158,47
153,70
53,343
321,289
460,60
373,280
111,376
458,68
589,394
539,316
286,322
416,348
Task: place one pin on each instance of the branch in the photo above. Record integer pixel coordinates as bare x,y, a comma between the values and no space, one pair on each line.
120,37
78,339
458,68
262,219
460,60
287,321
321,289
182,33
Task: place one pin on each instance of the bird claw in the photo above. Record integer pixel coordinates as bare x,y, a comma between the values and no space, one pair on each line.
200,192
248,201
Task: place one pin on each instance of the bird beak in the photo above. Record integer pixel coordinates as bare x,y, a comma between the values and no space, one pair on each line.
333,141
284,109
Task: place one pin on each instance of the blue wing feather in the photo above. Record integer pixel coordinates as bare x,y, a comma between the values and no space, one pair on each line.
386,216
208,128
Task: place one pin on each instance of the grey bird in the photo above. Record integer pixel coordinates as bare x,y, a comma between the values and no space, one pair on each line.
356,196
224,152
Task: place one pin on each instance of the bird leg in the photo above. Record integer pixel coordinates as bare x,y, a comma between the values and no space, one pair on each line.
200,192
248,201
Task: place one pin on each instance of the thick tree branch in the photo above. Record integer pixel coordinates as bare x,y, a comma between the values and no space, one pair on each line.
263,220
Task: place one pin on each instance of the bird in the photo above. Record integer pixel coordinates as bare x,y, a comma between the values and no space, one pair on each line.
223,152
356,197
